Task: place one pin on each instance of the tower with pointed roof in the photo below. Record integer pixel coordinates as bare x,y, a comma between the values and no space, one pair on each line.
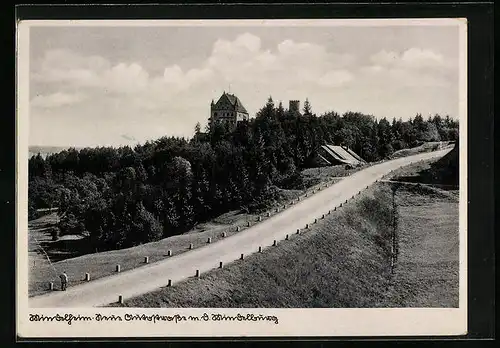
228,111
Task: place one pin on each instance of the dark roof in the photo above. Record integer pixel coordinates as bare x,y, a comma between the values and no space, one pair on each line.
233,100
341,154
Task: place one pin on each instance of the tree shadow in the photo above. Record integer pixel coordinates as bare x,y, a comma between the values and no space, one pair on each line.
443,172
64,249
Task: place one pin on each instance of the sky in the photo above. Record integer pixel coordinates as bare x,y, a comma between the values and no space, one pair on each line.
111,86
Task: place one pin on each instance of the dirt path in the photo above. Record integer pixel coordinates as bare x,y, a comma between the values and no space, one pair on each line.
148,278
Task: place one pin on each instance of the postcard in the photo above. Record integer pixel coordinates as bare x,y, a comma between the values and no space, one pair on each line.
250,178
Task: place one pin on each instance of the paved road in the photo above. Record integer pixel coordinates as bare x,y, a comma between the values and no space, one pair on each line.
148,278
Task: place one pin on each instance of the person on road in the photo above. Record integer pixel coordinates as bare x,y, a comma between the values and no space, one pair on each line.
64,281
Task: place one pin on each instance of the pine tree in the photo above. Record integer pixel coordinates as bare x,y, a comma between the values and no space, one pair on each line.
270,102
197,129
307,108
280,111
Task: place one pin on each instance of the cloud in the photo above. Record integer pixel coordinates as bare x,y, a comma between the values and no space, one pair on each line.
128,137
71,70
123,97
415,58
336,78
125,78
244,62
421,58
239,61
65,66
175,79
385,58
414,67
56,100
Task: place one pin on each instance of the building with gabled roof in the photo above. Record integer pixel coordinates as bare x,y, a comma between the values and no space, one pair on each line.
335,155
228,110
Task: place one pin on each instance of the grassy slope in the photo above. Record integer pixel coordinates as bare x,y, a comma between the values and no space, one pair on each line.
318,268
442,173
103,264
425,147
343,261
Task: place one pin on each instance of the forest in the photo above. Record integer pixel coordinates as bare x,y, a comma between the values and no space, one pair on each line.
122,197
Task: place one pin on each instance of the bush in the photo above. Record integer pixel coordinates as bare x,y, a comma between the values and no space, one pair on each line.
71,225
55,232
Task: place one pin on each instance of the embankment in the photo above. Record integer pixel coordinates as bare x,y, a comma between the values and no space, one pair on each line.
342,261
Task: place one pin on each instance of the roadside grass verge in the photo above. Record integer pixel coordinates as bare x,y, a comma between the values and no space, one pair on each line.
314,176
443,172
438,172
343,261
102,264
410,172
425,147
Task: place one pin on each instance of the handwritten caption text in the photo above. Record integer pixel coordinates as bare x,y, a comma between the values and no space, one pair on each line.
152,318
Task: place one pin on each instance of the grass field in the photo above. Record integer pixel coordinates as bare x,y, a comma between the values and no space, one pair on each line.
102,264
343,261
427,268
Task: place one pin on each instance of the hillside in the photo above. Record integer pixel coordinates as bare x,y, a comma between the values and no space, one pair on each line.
72,254
425,147
124,197
444,172
342,262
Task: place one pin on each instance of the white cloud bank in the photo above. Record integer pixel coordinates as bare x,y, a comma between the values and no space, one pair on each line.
95,102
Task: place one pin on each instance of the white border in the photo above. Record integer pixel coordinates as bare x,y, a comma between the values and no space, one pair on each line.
292,322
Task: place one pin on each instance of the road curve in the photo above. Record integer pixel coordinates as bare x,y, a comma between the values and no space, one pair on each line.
148,278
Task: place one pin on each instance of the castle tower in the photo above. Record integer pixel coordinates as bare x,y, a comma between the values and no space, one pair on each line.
294,106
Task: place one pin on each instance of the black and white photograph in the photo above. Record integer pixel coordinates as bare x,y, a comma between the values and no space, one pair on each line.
241,169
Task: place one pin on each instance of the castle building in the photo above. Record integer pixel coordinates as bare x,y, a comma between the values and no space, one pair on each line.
228,111
294,106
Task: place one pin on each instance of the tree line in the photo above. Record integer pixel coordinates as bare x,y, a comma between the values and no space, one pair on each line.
122,197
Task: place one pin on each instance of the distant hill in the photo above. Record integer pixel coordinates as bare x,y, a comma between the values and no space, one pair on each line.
44,151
